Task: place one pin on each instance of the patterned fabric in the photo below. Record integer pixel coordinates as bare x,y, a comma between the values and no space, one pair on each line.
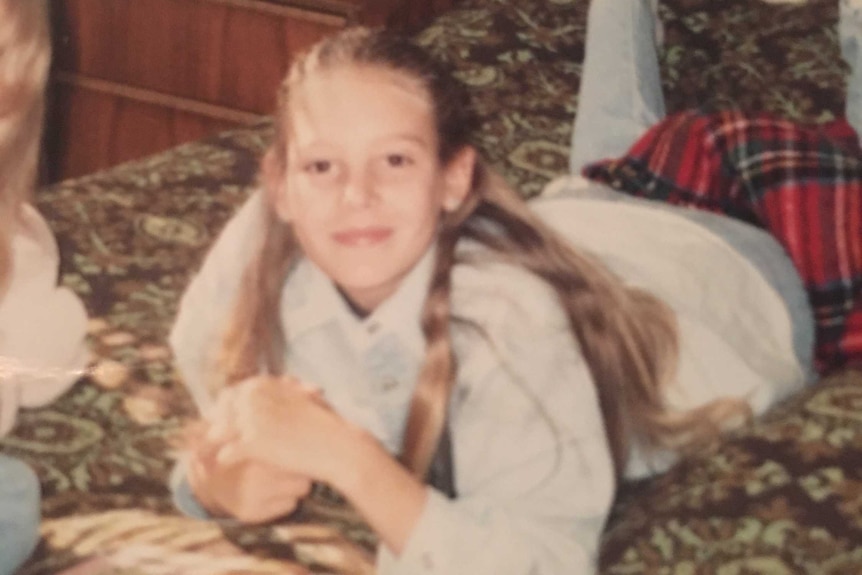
803,184
782,496
756,55
521,63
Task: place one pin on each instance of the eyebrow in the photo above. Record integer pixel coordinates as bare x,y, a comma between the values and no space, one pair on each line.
410,138
399,136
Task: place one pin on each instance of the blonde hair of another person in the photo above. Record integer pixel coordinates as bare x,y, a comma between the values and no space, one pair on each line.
25,55
627,336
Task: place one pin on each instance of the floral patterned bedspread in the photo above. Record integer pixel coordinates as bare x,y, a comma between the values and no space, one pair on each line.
783,495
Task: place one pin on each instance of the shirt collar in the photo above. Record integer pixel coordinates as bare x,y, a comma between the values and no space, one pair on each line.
310,300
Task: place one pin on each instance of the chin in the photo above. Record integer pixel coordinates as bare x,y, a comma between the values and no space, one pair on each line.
356,283
370,281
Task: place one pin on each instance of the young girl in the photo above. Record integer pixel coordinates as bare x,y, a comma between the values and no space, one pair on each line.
41,327
472,373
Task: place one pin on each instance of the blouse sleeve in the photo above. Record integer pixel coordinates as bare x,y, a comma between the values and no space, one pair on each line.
533,470
42,326
209,298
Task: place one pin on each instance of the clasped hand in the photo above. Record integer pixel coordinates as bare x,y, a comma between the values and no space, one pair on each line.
256,454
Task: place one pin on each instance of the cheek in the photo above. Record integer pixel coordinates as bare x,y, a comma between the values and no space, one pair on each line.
308,216
308,224
310,237
413,208
303,205
419,198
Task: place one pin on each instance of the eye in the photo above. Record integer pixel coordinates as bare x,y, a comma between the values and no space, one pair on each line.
318,167
398,160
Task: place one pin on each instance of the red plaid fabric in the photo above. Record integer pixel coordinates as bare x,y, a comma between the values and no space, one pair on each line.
801,183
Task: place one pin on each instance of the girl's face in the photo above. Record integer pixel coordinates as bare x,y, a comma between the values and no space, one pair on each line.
364,187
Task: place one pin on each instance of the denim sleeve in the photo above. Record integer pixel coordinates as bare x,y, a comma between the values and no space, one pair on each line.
185,501
182,495
19,520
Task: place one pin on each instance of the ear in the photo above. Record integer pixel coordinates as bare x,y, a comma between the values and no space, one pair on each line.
458,178
272,175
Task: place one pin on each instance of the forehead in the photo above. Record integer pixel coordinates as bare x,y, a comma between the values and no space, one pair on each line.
359,100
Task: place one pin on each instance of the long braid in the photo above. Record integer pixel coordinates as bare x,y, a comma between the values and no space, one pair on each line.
437,378
430,397
253,340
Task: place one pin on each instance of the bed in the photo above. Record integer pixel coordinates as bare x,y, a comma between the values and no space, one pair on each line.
781,495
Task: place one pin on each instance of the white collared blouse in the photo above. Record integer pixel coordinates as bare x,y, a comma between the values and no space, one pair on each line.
532,466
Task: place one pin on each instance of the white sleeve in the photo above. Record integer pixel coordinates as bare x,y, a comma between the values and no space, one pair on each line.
533,470
210,297
42,326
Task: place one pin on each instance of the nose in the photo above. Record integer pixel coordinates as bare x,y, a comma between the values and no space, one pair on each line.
359,189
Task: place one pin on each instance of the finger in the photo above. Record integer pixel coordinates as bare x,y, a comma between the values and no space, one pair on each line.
189,435
224,399
198,470
198,475
206,453
289,379
311,391
196,444
292,383
218,436
232,452
271,509
292,485
259,384
222,427
305,390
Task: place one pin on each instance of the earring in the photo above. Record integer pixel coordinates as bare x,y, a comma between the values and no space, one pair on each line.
450,204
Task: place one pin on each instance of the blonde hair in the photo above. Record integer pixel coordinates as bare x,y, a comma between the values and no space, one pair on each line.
25,55
627,336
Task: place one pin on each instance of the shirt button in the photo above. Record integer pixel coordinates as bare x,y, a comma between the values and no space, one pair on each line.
388,384
427,562
373,327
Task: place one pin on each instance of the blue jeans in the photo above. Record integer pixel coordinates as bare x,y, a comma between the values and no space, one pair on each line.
19,513
620,96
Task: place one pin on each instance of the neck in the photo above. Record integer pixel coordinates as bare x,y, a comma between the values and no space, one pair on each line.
357,310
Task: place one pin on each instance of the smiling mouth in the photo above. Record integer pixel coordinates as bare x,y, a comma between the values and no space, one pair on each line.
362,236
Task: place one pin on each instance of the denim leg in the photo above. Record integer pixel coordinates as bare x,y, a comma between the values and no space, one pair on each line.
19,513
620,95
850,34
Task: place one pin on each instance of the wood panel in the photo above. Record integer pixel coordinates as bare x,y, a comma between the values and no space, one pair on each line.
134,77
94,130
226,53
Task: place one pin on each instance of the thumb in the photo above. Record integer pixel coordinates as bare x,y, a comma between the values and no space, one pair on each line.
232,452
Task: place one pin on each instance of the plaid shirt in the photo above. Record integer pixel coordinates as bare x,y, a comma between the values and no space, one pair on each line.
801,183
